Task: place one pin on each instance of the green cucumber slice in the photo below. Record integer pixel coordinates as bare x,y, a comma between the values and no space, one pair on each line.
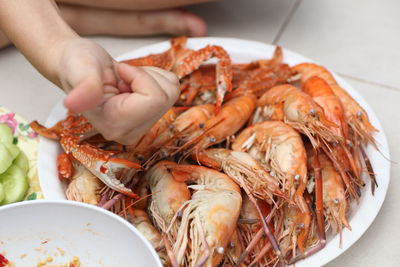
2,194
15,184
13,149
22,161
6,135
6,158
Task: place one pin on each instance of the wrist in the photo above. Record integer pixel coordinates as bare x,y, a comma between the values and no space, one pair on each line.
52,61
37,30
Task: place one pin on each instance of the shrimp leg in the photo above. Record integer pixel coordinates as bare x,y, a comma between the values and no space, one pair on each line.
319,196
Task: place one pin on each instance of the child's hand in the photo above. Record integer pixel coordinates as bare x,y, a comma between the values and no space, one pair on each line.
122,102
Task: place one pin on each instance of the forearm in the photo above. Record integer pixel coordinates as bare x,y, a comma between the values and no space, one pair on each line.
38,31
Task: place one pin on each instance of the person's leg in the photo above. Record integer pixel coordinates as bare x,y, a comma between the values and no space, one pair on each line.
3,40
133,4
89,21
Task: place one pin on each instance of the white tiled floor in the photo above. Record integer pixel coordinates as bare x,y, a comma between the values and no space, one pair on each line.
358,38
239,19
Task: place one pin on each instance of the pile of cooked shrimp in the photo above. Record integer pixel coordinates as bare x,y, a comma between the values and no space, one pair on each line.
254,165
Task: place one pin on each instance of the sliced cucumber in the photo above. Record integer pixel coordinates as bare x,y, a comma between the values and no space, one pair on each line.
6,158
2,194
13,149
15,184
22,161
6,135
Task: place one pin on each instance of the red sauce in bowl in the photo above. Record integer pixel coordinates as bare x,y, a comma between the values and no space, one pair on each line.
3,261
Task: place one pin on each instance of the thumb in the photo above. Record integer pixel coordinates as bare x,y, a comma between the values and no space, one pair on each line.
139,79
85,96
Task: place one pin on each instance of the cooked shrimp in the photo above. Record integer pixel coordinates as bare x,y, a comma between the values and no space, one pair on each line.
169,131
188,122
281,149
210,216
168,197
235,249
356,116
243,169
334,197
299,110
84,186
232,116
323,95
290,224
147,145
338,152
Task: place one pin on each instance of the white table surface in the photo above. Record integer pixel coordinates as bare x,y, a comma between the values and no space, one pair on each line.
358,39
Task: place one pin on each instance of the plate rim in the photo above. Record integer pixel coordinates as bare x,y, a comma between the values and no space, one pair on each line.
384,147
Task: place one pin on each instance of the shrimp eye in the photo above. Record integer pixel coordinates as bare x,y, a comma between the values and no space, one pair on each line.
359,114
212,139
297,177
336,200
312,112
301,225
220,250
179,214
350,144
232,244
201,125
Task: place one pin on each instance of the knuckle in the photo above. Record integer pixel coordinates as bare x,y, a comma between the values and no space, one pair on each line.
173,92
161,100
172,78
172,89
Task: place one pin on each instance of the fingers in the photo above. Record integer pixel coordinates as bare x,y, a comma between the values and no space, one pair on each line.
86,20
86,72
127,117
150,81
85,96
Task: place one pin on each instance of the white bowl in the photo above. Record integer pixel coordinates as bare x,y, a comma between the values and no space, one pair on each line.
32,231
361,216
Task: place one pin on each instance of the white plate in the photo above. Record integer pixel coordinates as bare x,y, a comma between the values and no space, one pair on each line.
245,51
32,231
